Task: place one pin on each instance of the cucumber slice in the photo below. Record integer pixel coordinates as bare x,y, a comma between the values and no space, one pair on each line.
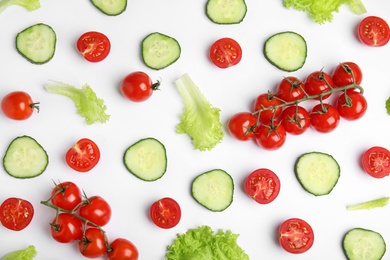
317,172
110,7
160,50
146,159
25,158
286,50
226,11
213,190
363,244
37,43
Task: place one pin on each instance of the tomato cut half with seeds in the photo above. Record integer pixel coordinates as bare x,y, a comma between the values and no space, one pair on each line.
83,156
376,162
225,53
263,185
374,31
296,236
16,213
165,213
94,46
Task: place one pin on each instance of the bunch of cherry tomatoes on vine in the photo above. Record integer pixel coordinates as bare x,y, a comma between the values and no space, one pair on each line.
276,114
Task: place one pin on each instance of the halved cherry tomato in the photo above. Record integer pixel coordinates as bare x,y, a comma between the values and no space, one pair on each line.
295,119
290,89
267,101
83,156
122,249
93,245
374,31
138,86
263,185
296,236
18,105
270,136
351,105
94,46
242,126
317,83
66,195
97,210
324,118
66,228
165,213
225,53
16,213
376,162
347,73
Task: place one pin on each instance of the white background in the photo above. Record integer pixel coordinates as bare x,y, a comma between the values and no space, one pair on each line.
57,127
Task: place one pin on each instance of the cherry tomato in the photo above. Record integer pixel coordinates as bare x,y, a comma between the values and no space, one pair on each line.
347,73
290,89
351,105
16,213
165,213
242,126
264,101
18,105
94,46
66,195
93,245
263,185
122,249
83,156
296,236
317,83
97,210
376,162
66,228
295,119
324,118
374,31
225,53
270,136
138,86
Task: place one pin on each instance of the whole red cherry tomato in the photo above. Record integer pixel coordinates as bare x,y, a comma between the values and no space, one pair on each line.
266,102
242,125
93,245
122,249
270,136
16,214
66,228
351,105
295,119
347,73
94,46
18,105
97,210
138,86
317,83
290,89
66,195
324,118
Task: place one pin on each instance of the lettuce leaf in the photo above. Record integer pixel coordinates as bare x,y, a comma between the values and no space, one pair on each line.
321,11
202,243
30,5
200,120
24,254
388,106
87,103
377,203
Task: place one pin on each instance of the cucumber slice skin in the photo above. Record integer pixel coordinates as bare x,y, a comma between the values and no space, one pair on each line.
146,159
38,34
226,11
286,51
110,8
213,190
362,244
25,158
160,50
317,172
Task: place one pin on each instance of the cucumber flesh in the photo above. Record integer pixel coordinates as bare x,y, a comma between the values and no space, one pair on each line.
226,11
25,158
146,159
213,190
286,51
363,244
37,43
318,173
110,7
160,50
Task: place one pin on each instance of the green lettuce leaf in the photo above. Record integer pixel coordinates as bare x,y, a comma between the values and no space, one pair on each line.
321,11
87,103
377,203
30,5
200,120
388,106
24,254
202,243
